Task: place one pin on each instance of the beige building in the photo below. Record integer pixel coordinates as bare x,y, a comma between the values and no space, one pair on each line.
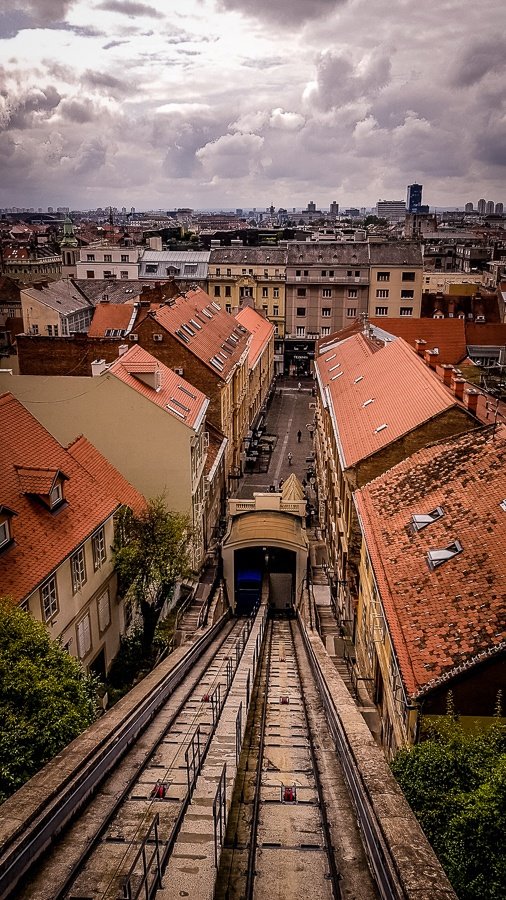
396,277
56,535
109,262
147,420
55,309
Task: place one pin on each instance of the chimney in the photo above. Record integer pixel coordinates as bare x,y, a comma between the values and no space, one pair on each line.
447,374
98,366
122,349
420,346
431,357
471,399
457,386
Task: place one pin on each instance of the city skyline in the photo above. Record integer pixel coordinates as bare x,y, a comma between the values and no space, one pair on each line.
233,103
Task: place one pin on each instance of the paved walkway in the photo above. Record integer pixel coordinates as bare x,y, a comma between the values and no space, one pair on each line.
290,411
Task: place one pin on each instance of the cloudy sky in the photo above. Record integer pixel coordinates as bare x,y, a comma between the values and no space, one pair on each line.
225,103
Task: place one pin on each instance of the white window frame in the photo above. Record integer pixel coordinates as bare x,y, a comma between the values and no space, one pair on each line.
78,566
351,312
381,311
99,548
49,598
5,533
104,605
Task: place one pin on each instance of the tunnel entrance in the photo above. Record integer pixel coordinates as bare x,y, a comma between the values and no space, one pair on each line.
252,565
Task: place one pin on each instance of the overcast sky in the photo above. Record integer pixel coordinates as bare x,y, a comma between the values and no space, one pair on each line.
225,103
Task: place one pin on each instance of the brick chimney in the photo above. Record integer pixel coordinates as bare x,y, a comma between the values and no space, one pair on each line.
457,386
420,346
471,399
431,358
447,374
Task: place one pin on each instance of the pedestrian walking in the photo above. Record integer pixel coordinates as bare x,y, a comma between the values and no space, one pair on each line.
299,436
281,483
289,459
299,386
311,433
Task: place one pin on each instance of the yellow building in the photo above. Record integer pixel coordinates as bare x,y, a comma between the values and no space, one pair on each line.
253,276
55,308
396,279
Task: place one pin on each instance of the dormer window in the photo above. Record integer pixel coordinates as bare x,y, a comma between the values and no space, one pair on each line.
45,485
6,516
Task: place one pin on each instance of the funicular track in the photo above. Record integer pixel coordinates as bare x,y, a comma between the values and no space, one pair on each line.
289,778
120,815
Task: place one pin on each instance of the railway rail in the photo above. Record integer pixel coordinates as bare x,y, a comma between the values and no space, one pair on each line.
154,756
290,803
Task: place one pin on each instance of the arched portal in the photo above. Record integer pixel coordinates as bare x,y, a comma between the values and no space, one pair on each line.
266,543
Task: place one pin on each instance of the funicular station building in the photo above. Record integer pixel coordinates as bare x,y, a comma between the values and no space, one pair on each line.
266,539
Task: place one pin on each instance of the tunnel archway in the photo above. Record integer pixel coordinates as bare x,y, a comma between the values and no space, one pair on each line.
255,564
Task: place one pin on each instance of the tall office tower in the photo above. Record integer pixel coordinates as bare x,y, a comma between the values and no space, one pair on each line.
469,207
499,209
489,209
482,204
311,207
334,208
414,197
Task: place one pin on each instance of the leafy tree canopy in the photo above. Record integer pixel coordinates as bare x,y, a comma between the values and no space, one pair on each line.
152,551
46,699
455,782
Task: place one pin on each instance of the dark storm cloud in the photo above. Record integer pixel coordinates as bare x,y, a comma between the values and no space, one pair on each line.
182,137
103,80
13,22
288,12
340,80
479,59
77,111
22,110
46,12
112,44
130,8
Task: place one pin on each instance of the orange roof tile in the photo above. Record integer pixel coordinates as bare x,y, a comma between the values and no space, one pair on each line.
171,392
488,334
43,539
104,473
36,481
448,335
110,317
205,329
377,394
261,329
454,615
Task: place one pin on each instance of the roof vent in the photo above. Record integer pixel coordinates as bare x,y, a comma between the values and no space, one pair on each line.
338,375
335,366
436,558
368,402
503,505
380,428
360,378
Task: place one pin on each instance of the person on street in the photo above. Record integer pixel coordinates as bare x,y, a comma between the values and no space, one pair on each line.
299,435
289,459
299,386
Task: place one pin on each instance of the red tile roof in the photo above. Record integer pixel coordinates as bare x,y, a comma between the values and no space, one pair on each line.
488,334
448,335
110,316
261,329
455,614
403,390
43,539
209,331
173,394
104,473
36,481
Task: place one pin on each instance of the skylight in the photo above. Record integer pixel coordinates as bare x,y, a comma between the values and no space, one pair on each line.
180,405
421,521
216,305
360,378
333,378
328,358
186,391
368,402
187,328
436,558
176,411
335,366
381,427
196,324
216,363
183,336
503,505
206,312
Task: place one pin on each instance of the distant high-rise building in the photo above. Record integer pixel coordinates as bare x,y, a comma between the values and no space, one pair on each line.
489,209
393,210
482,205
414,197
469,207
50,209
499,209
132,210
123,210
334,208
311,207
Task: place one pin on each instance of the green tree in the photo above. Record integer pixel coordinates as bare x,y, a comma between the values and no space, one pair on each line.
455,782
152,552
46,699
